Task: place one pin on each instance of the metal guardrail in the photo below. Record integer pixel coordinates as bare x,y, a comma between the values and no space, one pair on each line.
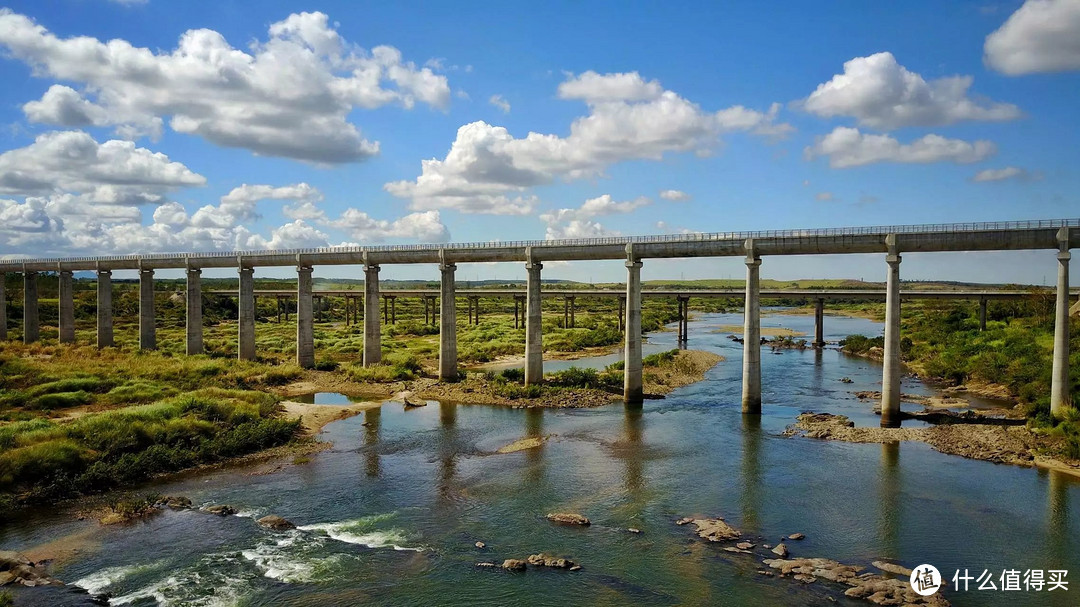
614,240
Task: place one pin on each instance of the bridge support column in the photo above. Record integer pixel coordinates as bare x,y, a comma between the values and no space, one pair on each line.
193,324
447,323
982,313
819,323
305,325
566,313
684,319
372,328
534,348
104,309
890,380
622,313
147,333
31,324
751,370
573,321
3,308
1059,387
393,310
633,392
246,315
67,308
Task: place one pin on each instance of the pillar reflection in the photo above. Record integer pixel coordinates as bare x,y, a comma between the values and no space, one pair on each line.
750,473
534,458
1058,484
889,499
633,455
372,421
447,445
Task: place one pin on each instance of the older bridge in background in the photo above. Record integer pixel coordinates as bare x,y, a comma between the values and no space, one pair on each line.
1054,235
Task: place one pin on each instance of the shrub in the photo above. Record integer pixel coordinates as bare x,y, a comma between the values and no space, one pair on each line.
327,365
514,374
284,374
137,392
60,400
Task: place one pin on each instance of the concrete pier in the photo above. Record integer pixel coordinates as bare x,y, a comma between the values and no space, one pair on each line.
305,328
246,314
104,309
982,314
534,348
193,340
372,327
3,308
67,308
447,323
819,323
633,392
751,369
1059,386
147,333
890,380
31,322
684,320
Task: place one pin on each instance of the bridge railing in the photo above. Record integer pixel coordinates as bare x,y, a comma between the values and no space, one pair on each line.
611,240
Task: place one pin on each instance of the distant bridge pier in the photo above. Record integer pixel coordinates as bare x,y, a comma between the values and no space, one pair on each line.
447,322
534,349
31,327
104,309
622,312
519,302
751,387
819,323
305,329
982,313
1059,386
246,314
474,310
890,380
67,307
633,389
147,334
372,328
684,319
569,322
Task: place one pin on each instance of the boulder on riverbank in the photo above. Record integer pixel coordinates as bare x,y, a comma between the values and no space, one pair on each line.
17,569
569,518
275,522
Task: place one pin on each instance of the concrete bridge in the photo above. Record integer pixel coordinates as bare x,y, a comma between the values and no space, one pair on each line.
1058,236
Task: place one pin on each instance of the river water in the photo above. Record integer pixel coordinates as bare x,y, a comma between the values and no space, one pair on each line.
390,515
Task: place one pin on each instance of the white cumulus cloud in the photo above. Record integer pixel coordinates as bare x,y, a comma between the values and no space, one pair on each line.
577,223
488,170
1005,173
1041,36
847,147
500,102
882,94
288,96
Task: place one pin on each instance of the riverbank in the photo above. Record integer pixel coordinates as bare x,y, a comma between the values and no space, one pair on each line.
667,373
1013,445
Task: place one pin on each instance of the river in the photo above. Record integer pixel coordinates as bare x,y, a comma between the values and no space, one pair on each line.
390,515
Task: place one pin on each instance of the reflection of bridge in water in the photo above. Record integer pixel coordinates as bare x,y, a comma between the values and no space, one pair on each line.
1056,235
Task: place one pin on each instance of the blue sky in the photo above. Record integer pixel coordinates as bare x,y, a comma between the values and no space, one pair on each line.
146,126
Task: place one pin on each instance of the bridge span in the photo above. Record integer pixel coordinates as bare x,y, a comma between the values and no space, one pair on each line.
1058,235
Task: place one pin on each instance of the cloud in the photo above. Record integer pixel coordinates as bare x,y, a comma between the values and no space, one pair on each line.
847,147
675,195
499,102
592,87
576,223
1003,174
290,96
114,172
424,227
487,170
880,93
1041,36
824,197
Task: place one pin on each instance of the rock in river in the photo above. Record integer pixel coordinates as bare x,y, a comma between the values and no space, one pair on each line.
715,529
17,569
796,536
514,565
275,522
220,509
780,550
568,518
546,560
